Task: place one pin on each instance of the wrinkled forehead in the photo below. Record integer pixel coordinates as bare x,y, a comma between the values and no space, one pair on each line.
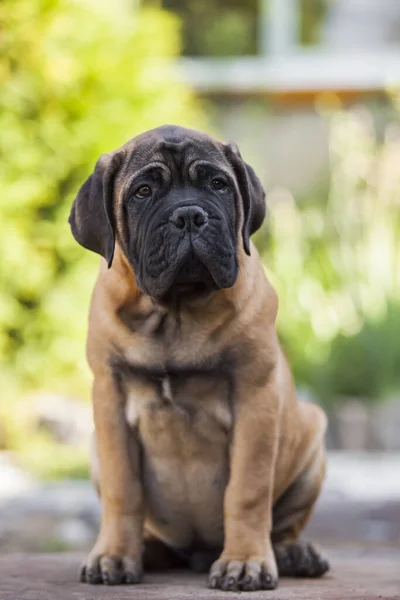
177,148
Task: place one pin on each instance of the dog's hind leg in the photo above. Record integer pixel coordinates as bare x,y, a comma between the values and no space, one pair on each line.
290,514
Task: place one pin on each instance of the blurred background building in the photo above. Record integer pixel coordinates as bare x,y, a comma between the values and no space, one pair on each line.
309,89
268,67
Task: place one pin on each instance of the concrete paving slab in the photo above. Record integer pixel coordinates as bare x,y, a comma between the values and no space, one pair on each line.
355,575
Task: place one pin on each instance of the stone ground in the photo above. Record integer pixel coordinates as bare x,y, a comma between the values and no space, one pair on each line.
356,521
354,576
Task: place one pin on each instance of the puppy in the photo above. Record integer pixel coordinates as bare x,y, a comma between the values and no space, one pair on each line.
202,453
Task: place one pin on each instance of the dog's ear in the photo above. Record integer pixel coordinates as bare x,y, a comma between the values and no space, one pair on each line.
252,192
92,215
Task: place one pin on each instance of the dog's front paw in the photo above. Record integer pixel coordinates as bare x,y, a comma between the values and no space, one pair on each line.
250,574
111,569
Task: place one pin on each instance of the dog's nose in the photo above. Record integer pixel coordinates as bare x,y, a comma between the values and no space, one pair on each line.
191,218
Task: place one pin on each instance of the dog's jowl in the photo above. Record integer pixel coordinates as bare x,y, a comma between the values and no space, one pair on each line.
202,454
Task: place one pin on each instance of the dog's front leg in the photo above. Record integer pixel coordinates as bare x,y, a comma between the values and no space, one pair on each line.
247,561
116,556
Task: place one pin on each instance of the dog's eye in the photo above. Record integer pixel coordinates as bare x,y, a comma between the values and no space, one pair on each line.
143,192
218,184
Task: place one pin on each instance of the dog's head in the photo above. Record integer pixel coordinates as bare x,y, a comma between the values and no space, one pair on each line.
180,204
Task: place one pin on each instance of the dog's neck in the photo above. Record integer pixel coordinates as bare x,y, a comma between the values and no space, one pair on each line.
142,312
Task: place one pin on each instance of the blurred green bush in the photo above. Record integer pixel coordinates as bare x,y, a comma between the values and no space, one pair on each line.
334,258
77,78
223,28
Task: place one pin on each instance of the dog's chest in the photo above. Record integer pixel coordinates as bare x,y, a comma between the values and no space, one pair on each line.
177,406
184,426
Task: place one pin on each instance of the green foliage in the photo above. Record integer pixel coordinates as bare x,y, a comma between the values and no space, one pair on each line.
312,16
47,460
366,364
336,265
77,78
220,28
